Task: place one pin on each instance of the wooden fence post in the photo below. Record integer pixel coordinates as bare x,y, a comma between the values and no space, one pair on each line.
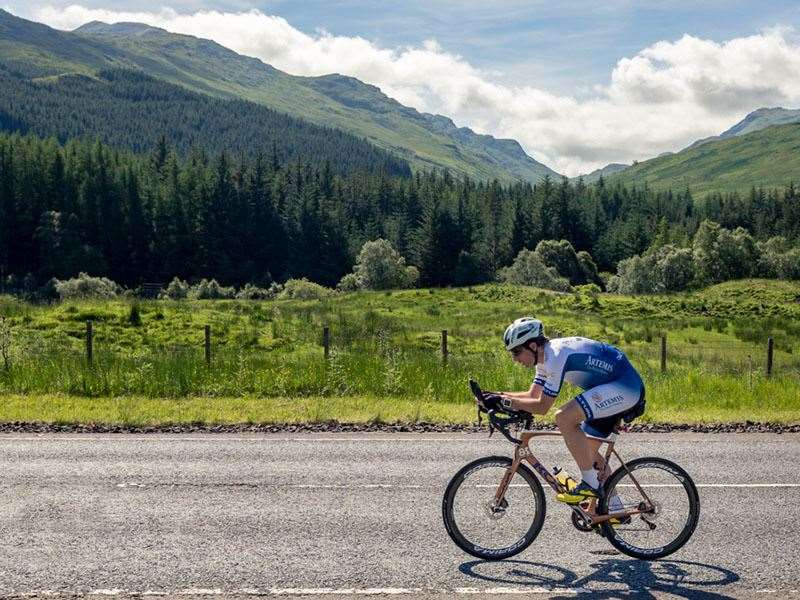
208,344
89,342
663,353
444,346
326,341
770,344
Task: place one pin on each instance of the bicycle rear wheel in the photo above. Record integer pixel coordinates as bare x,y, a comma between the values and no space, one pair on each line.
483,528
675,508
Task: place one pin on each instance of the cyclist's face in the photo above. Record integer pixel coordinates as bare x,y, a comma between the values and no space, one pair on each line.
524,355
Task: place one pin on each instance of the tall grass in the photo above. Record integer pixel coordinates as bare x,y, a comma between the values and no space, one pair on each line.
386,348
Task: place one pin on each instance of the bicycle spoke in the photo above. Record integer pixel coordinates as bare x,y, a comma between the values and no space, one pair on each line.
669,501
481,525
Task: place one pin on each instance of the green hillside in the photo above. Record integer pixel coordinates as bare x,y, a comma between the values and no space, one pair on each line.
426,141
768,157
131,111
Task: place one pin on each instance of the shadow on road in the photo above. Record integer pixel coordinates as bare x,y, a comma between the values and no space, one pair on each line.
612,578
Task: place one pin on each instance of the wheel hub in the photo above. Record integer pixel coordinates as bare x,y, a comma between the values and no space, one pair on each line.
497,511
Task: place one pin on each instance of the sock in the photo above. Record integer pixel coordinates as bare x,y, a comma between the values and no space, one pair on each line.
590,477
615,504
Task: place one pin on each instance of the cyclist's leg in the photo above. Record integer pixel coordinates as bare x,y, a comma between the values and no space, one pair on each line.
568,419
601,402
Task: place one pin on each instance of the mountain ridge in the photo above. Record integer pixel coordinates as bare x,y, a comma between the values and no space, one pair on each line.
768,157
331,100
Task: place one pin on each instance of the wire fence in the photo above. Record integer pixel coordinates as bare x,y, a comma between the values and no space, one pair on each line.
728,356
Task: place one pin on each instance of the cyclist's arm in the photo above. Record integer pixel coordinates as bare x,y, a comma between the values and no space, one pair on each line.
534,401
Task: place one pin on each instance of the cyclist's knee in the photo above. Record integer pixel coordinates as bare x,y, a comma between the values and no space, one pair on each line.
566,418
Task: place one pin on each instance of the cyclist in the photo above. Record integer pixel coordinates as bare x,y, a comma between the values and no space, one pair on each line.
611,389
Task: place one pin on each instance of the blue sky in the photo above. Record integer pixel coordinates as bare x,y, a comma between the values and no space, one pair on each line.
579,84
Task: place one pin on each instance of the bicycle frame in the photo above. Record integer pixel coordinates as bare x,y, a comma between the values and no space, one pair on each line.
523,452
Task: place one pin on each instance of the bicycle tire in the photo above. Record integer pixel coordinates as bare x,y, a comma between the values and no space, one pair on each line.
693,498
448,503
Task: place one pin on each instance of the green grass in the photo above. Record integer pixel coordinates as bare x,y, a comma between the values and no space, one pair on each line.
385,354
690,397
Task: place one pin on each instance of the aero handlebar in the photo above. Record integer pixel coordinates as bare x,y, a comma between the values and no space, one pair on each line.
497,422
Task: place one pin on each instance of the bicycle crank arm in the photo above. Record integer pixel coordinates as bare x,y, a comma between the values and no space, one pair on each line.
597,519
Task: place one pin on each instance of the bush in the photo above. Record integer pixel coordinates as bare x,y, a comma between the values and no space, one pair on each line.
84,286
349,283
665,269
210,290
636,275
675,267
412,276
528,268
303,289
721,254
777,259
578,268
176,290
380,267
252,292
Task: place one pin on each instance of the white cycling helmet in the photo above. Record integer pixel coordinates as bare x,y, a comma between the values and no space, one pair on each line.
522,330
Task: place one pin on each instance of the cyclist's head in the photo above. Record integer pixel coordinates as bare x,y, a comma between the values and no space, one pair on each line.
521,333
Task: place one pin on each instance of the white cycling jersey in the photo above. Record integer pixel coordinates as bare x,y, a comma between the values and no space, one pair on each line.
611,384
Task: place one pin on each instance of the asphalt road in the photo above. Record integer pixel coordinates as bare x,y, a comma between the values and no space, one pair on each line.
332,515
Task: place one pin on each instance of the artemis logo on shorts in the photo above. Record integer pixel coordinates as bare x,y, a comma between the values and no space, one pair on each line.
599,364
609,401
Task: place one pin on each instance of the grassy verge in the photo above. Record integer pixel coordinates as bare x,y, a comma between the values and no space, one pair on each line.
267,363
684,400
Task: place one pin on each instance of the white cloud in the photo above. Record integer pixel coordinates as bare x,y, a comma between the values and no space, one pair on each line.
663,98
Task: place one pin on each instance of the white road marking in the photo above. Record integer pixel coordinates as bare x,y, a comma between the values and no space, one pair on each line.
386,486
323,591
326,591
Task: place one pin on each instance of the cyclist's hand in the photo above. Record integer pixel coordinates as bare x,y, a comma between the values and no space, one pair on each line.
491,401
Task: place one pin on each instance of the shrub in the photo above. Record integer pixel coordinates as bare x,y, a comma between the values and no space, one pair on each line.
176,290
675,268
412,276
664,269
303,289
578,268
252,292
380,267
349,283
84,286
636,275
210,290
528,268
721,254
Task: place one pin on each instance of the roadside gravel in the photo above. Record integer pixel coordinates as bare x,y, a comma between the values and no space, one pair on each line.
336,427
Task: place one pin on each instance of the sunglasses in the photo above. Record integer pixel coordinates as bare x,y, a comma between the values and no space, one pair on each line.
517,351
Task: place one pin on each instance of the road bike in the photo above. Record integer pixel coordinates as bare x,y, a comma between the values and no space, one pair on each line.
494,507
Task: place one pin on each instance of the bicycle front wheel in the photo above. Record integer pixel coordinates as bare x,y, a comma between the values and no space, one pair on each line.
667,495
480,525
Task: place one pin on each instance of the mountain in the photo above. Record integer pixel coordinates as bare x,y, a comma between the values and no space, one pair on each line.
768,157
758,119
426,141
609,169
129,110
